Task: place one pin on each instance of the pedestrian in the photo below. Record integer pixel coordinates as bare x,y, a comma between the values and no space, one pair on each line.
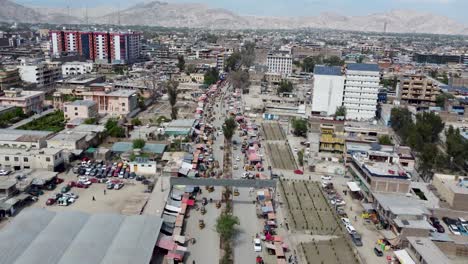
94,199
104,192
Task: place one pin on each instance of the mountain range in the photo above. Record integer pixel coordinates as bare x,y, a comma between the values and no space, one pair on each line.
158,13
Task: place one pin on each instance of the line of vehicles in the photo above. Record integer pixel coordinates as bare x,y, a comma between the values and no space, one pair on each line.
456,226
101,170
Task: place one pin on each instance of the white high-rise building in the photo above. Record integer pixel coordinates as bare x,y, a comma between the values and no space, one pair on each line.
327,95
361,90
280,62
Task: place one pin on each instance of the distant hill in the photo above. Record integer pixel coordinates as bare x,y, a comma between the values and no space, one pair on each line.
158,13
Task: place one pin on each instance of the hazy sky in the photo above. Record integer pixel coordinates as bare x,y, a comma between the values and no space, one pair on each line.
455,9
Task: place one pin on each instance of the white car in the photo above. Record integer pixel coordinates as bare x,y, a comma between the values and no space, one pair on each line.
337,202
350,229
345,221
454,229
325,184
245,175
237,158
257,245
326,178
4,172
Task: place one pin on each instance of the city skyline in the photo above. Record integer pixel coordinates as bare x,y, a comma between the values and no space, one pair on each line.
449,8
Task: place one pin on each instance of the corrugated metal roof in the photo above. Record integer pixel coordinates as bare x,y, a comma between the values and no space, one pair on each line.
41,236
327,70
363,67
128,146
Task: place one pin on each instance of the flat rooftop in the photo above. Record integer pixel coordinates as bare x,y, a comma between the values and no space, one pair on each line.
457,186
23,135
81,103
428,250
46,237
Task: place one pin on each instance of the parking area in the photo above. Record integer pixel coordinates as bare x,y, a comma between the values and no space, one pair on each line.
280,156
90,194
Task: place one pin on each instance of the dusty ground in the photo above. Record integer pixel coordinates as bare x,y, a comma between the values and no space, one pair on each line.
128,200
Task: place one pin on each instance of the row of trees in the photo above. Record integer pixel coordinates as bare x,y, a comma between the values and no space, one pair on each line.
422,135
308,64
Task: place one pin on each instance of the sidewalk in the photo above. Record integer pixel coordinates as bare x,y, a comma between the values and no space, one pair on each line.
158,197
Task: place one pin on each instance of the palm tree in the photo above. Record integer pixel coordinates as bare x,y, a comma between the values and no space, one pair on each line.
172,93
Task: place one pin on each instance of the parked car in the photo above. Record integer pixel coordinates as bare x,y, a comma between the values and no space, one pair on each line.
65,189
58,180
436,224
118,186
50,201
4,172
345,221
257,245
454,229
357,240
378,252
350,229
326,178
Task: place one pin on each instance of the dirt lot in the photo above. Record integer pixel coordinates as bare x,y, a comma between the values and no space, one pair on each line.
128,200
308,208
329,252
273,131
281,156
309,212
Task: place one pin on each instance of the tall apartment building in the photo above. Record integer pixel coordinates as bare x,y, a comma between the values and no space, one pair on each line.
418,90
9,77
327,94
101,47
124,47
361,91
280,62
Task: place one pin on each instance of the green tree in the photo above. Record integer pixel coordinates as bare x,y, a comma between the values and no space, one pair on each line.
333,61
240,79
456,146
225,226
300,127
191,68
138,143
248,54
229,128
441,98
300,157
181,63
285,87
385,140
211,76
341,111
308,64
233,62
90,121
136,122
113,129
172,92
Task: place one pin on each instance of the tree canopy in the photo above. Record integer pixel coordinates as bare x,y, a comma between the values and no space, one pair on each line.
211,76
300,127
113,128
341,111
172,92
229,128
225,226
240,79
138,143
181,63
285,87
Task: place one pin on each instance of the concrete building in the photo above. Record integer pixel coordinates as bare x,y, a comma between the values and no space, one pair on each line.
29,101
19,159
361,91
23,139
40,73
119,102
453,189
379,172
143,166
327,94
424,251
280,62
76,68
418,90
9,77
124,47
80,109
